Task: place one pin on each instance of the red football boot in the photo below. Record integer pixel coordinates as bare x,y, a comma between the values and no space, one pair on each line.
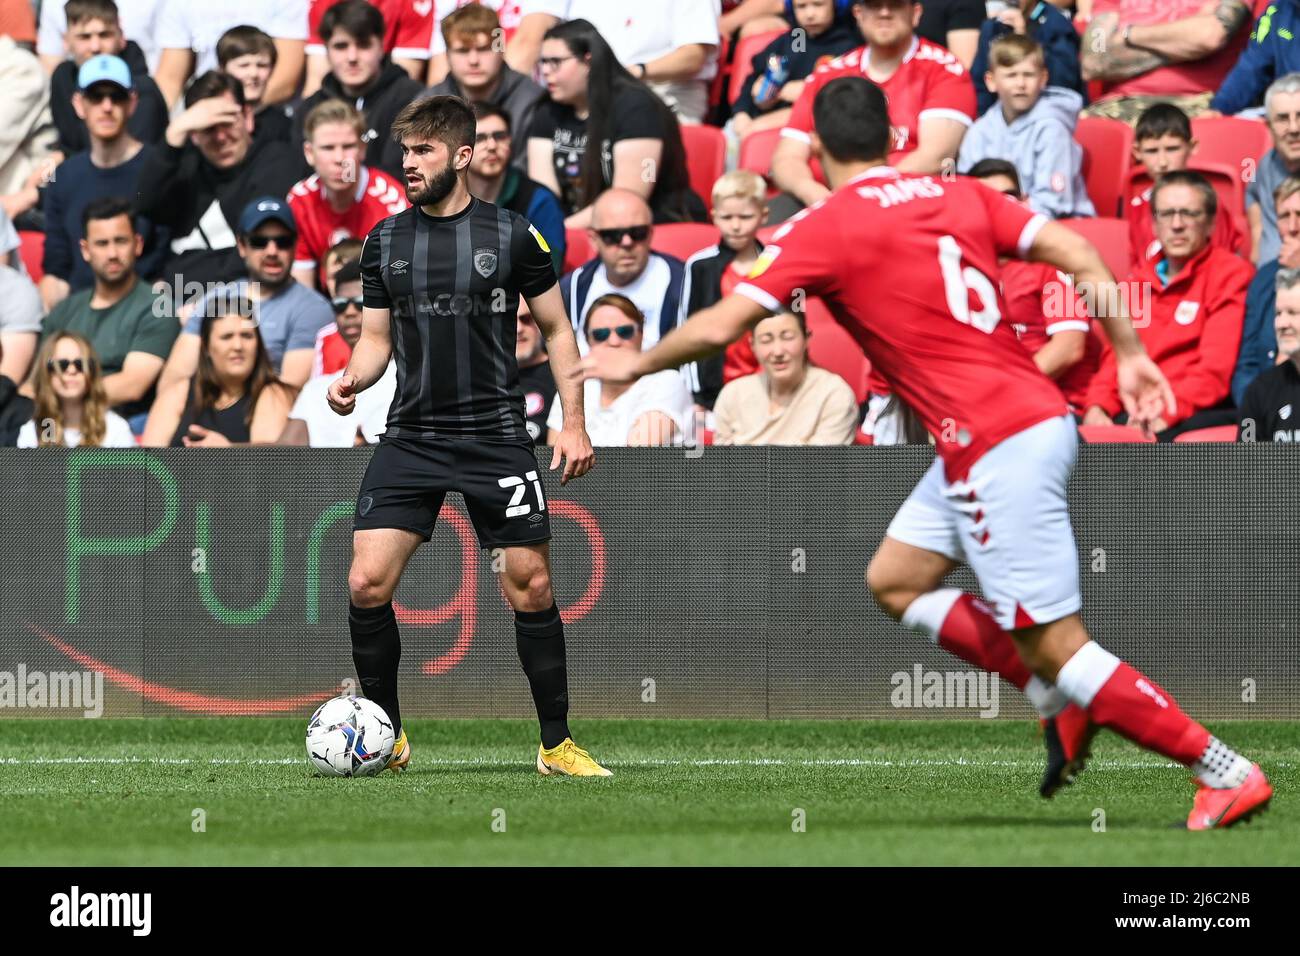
1222,808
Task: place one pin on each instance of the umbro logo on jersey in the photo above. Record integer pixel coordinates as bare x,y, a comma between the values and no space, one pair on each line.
398,268
485,262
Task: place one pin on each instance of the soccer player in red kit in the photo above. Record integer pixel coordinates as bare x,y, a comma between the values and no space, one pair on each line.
904,262
343,198
931,98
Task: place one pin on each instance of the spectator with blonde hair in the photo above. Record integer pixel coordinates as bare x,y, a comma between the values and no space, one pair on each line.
789,402
71,406
739,210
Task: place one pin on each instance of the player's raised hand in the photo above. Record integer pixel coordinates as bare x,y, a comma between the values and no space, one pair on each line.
342,394
1144,390
611,365
573,445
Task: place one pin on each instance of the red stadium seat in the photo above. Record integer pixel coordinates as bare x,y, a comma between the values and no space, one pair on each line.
832,348
1114,434
1229,140
32,252
683,239
1107,155
577,249
1219,433
1110,236
706,158
746,50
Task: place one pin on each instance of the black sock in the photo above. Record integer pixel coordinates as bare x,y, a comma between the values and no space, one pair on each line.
539,637
376,650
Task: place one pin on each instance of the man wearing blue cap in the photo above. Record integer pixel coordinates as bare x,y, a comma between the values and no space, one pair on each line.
105,57
109,166
288,314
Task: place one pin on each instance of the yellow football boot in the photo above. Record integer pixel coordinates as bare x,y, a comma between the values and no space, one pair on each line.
401,754
568,759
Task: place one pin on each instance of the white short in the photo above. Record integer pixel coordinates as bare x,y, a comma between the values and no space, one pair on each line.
1009,521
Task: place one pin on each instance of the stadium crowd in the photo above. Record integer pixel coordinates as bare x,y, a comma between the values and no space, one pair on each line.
169,172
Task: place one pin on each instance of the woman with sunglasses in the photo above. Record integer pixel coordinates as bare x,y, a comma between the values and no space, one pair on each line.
71,408
654,410
600,127
235,397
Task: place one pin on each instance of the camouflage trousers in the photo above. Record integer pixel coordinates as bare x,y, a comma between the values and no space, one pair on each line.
1127,109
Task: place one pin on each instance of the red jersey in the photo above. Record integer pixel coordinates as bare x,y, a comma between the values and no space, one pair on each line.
929,82
739,358
1191,329
1042,302
908,265
408,27
1176,79
1142,241
332,353
378,196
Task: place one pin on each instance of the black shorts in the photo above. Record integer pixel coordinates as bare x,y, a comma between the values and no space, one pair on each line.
407,479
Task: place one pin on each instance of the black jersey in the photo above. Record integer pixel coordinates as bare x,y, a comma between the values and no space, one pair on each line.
452,288
1270,409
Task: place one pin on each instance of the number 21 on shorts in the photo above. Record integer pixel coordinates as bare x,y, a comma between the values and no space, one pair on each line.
515,509
959,283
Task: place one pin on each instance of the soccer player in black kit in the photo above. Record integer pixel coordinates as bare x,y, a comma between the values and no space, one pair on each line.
442,282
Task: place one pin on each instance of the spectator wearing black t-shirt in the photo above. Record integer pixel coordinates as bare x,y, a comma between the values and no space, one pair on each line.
593,99
1270,409
954,24
536,380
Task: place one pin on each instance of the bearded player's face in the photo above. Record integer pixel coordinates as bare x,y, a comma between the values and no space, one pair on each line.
431,169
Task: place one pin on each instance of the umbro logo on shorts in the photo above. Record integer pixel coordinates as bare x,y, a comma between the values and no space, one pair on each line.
534,518
398,268
364,505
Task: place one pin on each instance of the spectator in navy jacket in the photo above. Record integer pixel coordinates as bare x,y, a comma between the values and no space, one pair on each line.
1258,340
110,166
825,30
1054,33
94,31
1271,52
621,228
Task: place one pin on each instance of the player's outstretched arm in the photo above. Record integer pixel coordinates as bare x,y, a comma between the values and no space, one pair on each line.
704,333
571,444
1143,388
370,357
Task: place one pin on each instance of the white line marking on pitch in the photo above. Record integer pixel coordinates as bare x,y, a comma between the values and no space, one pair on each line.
652,762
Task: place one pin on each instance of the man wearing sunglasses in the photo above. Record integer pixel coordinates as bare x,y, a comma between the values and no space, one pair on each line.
288,314
106,104
95,39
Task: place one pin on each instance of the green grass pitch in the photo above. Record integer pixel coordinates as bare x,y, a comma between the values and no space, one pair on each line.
115,792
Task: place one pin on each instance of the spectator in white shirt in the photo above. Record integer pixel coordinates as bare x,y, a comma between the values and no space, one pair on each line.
188,31
71,407
653,410
311,420
670,45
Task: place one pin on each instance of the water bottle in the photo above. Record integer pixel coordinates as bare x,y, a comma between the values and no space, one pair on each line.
774,77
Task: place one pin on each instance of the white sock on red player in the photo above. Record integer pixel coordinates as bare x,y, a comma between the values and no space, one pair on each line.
961,624
1220,766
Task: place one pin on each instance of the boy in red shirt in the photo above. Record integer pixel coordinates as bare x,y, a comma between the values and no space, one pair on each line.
1163,143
